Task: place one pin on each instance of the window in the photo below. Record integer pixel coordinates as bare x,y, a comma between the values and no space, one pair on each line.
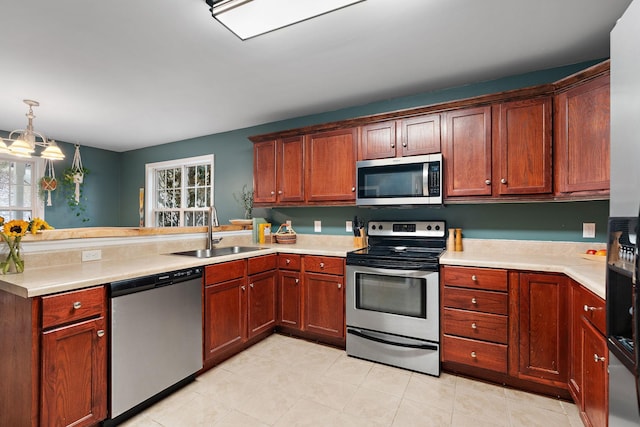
19,196
179,192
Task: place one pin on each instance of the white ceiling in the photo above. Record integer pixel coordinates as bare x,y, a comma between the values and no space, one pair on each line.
126,74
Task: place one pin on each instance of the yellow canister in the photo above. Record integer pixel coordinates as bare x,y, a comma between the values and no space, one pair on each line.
264,229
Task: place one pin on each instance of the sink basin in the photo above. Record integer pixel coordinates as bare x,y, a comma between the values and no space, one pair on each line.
210,253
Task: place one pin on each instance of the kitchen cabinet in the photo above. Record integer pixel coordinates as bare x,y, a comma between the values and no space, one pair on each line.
474,319
289,287
582,138
54,359
522,147
466,152
539,306
323,292
398,138
330,167
588,379
261,294
278,170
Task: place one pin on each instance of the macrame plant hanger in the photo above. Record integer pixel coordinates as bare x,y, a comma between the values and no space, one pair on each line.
49,182
78,172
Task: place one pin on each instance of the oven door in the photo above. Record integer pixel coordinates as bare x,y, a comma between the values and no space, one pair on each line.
397,302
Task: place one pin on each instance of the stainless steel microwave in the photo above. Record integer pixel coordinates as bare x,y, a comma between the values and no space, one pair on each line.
415,180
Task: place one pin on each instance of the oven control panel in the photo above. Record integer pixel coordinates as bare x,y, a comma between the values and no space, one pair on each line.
407,228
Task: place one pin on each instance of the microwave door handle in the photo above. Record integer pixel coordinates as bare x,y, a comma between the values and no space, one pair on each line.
397,344
425,179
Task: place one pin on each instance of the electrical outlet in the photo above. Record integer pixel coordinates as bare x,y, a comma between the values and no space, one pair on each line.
589,230
317,226
349,227
94,255
288,222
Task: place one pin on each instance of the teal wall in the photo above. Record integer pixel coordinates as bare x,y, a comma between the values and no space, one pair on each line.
111,188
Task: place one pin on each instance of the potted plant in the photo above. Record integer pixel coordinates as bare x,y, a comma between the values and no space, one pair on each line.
245,200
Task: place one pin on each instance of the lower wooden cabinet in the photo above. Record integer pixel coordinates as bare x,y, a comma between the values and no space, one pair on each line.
324,304
261,303
224,317
289,286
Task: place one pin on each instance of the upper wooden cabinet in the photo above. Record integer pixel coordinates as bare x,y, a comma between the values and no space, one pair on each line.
582,138
398,138
278,171
467,152
522,147
330,166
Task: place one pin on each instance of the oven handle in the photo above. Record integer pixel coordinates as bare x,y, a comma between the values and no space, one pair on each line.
380,340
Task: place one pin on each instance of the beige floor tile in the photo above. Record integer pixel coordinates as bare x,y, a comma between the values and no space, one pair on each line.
140,420
197,412
415,414
307,413
348,420
387,380
224,387
329,392
238,419
349,369
478,399
528,416
538,401
373,405
268,404
432,391
468,386
461,419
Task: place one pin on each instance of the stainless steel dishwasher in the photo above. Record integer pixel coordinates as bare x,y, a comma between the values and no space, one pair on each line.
156,338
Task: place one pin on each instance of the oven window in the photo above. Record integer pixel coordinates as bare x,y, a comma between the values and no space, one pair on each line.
405,296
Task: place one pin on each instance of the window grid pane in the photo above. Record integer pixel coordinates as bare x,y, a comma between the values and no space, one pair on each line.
17,193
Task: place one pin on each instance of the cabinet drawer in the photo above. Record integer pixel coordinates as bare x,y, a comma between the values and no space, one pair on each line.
475,353
225,271
289,262
476,278
322,264
262,263
484,301
593,308
471,324
72,306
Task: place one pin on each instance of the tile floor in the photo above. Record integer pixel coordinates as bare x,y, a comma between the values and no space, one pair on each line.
285,381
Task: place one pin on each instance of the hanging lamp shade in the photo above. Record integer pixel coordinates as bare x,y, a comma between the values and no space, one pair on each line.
52,151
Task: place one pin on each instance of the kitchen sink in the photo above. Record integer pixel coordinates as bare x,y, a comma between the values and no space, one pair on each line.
210,253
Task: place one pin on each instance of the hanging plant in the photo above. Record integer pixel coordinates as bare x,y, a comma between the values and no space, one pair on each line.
48,182
73,178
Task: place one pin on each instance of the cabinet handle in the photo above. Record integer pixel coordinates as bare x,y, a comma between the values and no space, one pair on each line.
474,278
251,285
353,189
339,285
77,305
473,354
243,288
503,181
273,192
597,358
587,308
474,326
322,265
487,181
100,333
288,261
474,301
297,281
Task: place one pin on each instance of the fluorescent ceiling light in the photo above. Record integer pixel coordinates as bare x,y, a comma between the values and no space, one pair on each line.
250,18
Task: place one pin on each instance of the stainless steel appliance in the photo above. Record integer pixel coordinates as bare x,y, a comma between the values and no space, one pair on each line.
156,338
623,281
415,180
392,301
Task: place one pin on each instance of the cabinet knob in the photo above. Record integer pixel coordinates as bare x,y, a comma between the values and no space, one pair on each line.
393,145
322,265
404,144
503,181
273,192
287,261
474,301
487,181
339,285
597,358
474,278
243,288
474,326
587,308
353,189
279,191
297,281
473,354
100,333
251,285
77,305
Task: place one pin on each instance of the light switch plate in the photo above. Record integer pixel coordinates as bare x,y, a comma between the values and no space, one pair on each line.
288,222
317,226
589,230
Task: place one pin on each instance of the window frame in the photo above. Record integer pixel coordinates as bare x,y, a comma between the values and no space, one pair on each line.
37,202
150,186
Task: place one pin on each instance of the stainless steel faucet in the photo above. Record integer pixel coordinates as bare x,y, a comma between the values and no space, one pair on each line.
213,222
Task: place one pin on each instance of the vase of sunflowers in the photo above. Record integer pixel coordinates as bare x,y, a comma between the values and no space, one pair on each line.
12,232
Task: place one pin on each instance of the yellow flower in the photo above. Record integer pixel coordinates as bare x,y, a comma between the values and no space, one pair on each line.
16,228
38,224
1,221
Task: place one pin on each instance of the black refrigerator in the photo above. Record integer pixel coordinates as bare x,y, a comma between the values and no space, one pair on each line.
623,281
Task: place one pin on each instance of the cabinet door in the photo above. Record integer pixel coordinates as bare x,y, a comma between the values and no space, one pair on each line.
74,374
331,166
595,376
289,299
523,147
264,172
261,303
582,138
420,135
378,141
290,167
541,305
467,152
324,304
575,343
224,316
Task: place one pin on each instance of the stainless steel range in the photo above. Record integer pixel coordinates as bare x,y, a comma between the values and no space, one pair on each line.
392,302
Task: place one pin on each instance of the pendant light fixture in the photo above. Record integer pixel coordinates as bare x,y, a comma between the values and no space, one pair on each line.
26,140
